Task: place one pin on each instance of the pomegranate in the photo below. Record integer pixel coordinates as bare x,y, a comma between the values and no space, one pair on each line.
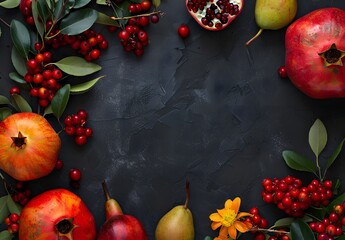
214,15
119,226
314,53
29,146
56,214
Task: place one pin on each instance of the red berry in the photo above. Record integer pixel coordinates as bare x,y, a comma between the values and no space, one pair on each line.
80,140
38,78
47,57
32,64
327,184
123,35
14,217
333,217
88,132
15,90
82,114
143,21
34,92
103,45
70,130
79,131
7,221
183,31
38,46
14,227
132,9
320,228
59,164
142,36
330,230
259,236
154,18
256,219
76,119
282,72
145,5
95,53
57,74
75,174
43,102
92,41
68,121
39,58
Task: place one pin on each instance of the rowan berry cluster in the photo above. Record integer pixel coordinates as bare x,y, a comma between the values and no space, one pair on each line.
290,196
75,125
21,193
332,226
12,222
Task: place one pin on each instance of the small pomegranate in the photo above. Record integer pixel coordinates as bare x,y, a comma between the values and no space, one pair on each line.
315,48
119,226
214,15
56,214
29,146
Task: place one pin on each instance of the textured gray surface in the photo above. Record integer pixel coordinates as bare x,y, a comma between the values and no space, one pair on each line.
206,109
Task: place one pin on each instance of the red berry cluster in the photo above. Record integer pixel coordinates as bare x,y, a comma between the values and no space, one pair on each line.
75,125
291,197
44,79
12,223
132,36
26,9
89,43
332,226
21,193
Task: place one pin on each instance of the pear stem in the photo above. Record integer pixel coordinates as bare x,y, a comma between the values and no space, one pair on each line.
187,195
255,37
105,190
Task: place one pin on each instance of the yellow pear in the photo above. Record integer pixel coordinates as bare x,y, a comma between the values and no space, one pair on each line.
177,224
273,14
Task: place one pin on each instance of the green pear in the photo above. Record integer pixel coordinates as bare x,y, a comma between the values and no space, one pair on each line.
177,223
273,14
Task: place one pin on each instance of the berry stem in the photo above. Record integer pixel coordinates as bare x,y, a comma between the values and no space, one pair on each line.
4,22
269,230
139,15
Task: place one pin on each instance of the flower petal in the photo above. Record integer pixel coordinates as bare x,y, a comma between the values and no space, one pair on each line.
223,231
228,204
232,232
236,204
215,225
215,217
222,212
244,214
240,226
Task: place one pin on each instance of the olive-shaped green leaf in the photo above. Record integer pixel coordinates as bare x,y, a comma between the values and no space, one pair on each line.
84,87
17,78
10,3
4,113
20,37
106,20
77,66
4,100
101,2
286,222
301,231
13,206
44,10
20,104
18,62
78,21
60,101
208,238
36,15
156,3
6,235
62,9
335,154
317,137
81,3
4,212
48,110
298,162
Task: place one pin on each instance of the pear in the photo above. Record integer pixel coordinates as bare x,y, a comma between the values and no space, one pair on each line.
273,15
177,223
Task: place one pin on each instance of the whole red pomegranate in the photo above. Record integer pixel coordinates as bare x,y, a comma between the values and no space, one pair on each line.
56,214
314,53
214,15
29,146
119,226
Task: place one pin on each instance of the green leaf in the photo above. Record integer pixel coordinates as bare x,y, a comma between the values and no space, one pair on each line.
4,212
13,206
341,237
77,66
339,200
317,137
301,231
35,5
81,3
10,3
18,62
48,110
4,113
208,238
20,37
335,154
44,11
60,100
286,222
62,9
156,3
106,20
6,235
20,104
78,21
4,100
102,2
17,78
84,87
298,162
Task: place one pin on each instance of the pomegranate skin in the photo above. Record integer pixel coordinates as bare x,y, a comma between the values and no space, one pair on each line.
305,39
122,227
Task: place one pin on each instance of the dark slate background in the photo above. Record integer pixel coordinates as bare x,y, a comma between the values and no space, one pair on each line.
207,109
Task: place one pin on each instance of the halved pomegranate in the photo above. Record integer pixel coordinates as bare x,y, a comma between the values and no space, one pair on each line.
214,15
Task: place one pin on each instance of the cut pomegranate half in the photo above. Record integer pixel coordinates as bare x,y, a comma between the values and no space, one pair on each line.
214,15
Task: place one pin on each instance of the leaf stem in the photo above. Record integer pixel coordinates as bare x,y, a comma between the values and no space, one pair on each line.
139,15
319,168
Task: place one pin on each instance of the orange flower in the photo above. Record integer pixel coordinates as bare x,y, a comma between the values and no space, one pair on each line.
230,220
